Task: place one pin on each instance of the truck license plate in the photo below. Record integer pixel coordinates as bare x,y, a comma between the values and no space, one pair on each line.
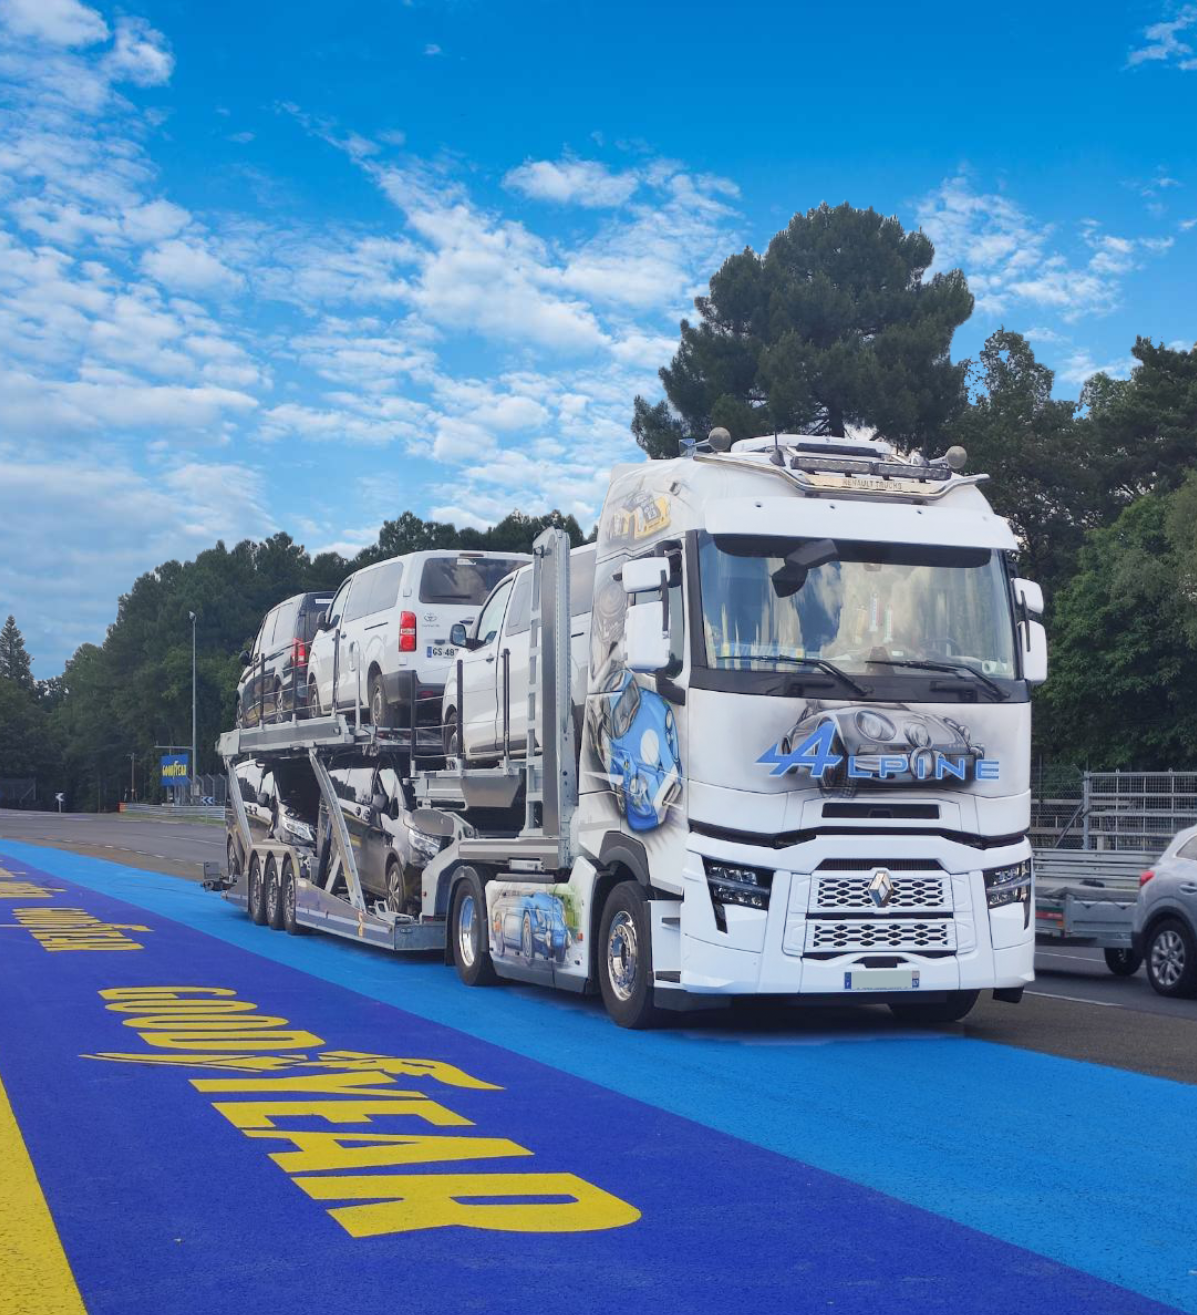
882,979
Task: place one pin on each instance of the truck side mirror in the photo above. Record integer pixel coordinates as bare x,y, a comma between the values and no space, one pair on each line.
1032,647
645,575
1029,596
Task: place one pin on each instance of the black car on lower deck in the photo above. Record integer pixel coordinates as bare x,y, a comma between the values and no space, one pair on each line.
273,683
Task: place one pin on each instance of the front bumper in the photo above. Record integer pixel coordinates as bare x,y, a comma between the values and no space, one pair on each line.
940,929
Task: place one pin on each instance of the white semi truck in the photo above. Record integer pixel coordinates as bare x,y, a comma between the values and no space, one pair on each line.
802,767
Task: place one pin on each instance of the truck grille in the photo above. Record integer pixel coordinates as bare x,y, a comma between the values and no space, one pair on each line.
911,894
845,935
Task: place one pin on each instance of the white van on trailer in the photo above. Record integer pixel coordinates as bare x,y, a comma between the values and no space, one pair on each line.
384,640
803,769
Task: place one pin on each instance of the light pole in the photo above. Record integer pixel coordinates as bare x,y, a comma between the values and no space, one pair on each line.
194,764
132,778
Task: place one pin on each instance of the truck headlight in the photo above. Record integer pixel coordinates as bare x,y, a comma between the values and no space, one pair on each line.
748,887
1010,885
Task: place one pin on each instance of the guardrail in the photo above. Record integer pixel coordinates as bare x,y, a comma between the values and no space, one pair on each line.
174,810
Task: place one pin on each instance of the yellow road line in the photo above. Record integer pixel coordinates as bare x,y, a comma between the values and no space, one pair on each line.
35,1278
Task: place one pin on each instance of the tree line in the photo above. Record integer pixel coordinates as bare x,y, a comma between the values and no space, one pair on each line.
836,326
91,732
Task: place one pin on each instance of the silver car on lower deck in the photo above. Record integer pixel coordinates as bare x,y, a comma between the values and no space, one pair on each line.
1164,931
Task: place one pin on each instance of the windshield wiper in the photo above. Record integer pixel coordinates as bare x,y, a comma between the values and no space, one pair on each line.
956,668
821,663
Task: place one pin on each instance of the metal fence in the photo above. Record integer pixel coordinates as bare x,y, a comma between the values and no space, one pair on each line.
1072,809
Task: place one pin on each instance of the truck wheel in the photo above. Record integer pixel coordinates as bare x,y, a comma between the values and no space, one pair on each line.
932,1013
290,924
1123,963
467,932
273,896
1172,959
625,956
254,904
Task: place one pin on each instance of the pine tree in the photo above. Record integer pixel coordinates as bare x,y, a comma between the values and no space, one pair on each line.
15,663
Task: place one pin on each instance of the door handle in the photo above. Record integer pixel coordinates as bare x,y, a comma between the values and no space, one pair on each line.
1189,888
491,658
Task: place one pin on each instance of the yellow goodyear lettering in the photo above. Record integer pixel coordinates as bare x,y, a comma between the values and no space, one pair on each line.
15,885
76,929
364,1090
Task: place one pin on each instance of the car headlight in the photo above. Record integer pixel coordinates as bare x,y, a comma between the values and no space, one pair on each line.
298,830
1010,885
638,788
918,735
423,846
873,726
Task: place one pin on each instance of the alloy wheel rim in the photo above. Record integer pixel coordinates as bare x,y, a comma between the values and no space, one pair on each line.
272,898
467,931
289,901
623,955
1168,958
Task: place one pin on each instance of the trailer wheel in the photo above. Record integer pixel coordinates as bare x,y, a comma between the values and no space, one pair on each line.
467,932
1172,959
273,901
1123,963
625,957
254,905
290,925
951,1010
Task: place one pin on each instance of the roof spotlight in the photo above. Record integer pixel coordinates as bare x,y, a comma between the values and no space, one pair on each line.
719,439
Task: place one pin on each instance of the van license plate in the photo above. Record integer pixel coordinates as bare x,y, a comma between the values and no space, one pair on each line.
882,979
441,650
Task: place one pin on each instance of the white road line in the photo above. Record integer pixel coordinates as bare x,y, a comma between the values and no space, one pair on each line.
1077,999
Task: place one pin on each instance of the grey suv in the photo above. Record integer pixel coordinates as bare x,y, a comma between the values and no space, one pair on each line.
1165,925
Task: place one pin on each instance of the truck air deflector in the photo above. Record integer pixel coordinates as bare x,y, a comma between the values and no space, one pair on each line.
873,522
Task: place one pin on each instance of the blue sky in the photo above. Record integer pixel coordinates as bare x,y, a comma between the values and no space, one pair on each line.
303,267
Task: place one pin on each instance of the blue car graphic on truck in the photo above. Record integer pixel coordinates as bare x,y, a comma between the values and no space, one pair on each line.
532,925
635,736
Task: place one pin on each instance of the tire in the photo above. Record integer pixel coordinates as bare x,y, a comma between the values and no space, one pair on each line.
934,1013
232,860
255,905
449,734
395,886
380,712
467,932
1123,963
625,964
527,949
272,903
1172,959
290,925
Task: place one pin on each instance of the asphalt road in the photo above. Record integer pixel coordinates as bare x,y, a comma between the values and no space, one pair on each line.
1076,1009
158,845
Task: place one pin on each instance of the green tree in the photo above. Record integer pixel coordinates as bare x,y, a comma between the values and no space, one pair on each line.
835,325
1142,431
1031,447
15,663
1123,684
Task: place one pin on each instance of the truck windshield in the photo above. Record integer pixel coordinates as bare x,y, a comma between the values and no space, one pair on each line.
770,603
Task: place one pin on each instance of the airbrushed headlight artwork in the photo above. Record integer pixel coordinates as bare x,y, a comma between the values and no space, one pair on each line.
843,747
634,733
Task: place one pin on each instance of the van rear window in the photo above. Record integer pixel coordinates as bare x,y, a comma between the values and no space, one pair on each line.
466,581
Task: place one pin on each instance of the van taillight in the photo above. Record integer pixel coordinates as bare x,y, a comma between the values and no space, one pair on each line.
1145,877
407,632
299,653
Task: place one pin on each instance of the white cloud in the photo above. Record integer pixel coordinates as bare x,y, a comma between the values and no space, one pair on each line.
1164,45
432,49
1080,366
56,22
1010,258
572,182
139,55
187,266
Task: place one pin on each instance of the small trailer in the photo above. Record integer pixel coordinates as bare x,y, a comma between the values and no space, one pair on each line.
1087,897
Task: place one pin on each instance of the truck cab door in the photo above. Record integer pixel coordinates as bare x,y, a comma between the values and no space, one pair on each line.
481,672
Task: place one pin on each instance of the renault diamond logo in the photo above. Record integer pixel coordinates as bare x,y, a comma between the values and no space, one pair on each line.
881,888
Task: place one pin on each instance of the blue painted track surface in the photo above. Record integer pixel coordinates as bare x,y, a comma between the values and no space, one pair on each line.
866,1172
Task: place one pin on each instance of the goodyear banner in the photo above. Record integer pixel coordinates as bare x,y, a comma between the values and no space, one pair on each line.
176,768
